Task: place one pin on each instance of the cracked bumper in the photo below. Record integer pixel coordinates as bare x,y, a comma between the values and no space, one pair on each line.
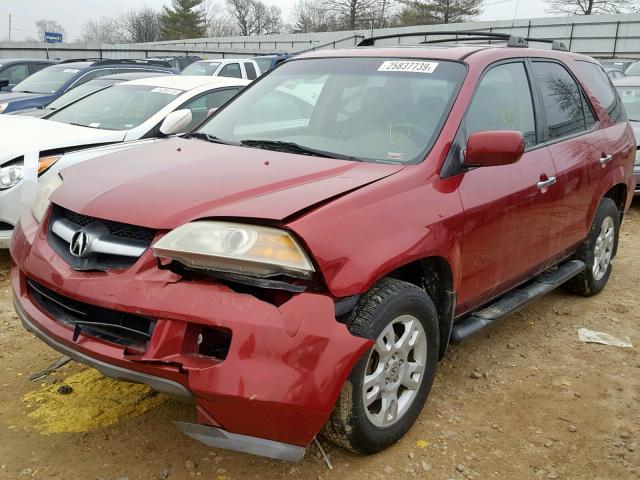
284,368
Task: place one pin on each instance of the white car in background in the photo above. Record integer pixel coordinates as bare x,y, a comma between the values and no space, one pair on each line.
139,109
225,67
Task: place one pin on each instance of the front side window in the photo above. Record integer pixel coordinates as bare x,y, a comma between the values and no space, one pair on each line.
47,80
264,63
201,68
121,107
231,70
205,105
369,109
15,73
503,102
561,99
631,99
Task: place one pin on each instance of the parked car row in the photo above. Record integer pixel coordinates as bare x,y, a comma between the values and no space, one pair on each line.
298,259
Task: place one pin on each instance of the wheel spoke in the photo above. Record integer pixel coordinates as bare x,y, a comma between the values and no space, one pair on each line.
412,375
408,338
385,341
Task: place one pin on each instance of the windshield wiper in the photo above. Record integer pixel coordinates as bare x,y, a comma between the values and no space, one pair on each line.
292,147
210,138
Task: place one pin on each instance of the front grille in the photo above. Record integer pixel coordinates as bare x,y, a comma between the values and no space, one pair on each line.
122,233
117,229
110,325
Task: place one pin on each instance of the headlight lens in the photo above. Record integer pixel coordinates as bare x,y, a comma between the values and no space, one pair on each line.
3,106
235,248
45,191
10,176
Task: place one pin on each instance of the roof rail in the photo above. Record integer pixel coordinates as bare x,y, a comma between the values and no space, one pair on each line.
133,61
72,60
513,41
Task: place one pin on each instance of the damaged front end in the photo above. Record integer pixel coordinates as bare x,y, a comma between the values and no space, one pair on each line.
264,370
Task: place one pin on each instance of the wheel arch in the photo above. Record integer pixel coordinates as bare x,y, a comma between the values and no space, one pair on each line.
617,193
434,275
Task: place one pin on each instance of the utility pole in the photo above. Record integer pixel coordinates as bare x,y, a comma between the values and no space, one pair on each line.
9,27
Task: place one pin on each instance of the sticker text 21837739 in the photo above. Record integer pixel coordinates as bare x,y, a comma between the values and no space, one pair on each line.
407,66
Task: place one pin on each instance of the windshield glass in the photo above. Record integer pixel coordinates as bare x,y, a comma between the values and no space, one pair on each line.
120,107
201,68
47,80
630,97
78,92
371,109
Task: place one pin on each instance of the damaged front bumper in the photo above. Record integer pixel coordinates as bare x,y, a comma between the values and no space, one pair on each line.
269,393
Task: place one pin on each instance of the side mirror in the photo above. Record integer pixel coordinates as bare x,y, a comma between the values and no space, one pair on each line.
492,149
176,122
4,83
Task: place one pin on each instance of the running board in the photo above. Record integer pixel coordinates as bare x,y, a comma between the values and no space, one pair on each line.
216,437
514,300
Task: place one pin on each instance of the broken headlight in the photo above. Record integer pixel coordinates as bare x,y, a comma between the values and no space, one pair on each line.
235,248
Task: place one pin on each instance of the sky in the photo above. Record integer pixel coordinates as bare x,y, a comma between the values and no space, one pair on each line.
73,14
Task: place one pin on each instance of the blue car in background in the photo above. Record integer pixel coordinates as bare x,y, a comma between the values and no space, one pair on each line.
267,62
48,84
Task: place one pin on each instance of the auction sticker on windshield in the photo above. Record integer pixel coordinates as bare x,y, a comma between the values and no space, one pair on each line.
400,66
168,91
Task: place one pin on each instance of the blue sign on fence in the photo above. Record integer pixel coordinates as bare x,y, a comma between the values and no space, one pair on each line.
52,37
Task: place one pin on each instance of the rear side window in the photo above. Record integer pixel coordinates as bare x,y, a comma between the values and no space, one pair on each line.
561,99
503,102
251,71
231,70
599,84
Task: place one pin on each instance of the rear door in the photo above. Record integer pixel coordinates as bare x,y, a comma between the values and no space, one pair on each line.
576,145
507,208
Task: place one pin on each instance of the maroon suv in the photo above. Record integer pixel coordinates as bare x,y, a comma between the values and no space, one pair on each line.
302,260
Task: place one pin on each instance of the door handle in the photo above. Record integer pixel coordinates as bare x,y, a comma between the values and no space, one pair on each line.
605,159
542,184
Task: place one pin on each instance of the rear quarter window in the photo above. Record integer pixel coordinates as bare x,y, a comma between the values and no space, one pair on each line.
599,84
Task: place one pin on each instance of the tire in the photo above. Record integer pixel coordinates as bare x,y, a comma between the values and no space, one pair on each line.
391,308
597,251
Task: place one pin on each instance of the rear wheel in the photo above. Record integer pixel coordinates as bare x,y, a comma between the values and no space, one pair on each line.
388,386
598,250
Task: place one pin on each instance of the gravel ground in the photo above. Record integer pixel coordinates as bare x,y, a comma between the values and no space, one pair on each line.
526,401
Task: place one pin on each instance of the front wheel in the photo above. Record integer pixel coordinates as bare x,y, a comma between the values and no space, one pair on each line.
388,386
598,250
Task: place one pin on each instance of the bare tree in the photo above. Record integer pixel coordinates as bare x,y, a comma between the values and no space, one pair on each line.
252,17
590,7
218,22
142,25
104,30
442,11
313,16
354,13
45,25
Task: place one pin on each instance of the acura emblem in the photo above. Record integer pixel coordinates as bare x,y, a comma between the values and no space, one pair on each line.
79,243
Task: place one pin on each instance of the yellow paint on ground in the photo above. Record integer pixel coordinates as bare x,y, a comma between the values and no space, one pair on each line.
95,402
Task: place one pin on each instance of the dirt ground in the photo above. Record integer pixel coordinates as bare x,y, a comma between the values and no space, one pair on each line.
526,401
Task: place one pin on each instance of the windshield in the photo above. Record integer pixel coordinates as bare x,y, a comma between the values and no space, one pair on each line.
201,68
371,109
630,97
78,92
47,80
121,107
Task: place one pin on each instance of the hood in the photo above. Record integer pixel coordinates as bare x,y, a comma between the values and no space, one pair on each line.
165,185
20,135
12,96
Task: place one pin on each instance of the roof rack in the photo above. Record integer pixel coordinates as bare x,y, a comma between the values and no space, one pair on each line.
514,41
133,61
72,60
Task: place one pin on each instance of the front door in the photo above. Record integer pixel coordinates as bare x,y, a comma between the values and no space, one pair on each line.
507,208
